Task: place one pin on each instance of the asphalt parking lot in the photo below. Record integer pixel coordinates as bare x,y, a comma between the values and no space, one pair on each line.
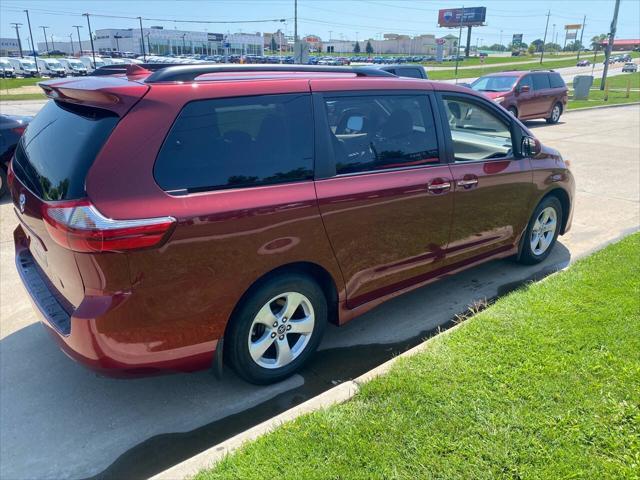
62,421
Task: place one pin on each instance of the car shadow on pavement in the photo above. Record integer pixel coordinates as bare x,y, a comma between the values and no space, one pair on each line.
533,124
61,420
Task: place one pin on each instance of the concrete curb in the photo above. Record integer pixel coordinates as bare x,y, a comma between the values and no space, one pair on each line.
597,107
339,394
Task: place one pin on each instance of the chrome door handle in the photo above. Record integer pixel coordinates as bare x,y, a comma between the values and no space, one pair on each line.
439,186
467,183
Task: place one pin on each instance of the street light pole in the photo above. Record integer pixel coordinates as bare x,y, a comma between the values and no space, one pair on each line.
73,52
78,27
44,32
93,51
144,54
17,26
33,45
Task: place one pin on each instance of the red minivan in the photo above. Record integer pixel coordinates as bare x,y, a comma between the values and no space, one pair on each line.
527,95
173,217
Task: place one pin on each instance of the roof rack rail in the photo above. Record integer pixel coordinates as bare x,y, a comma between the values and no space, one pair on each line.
186,73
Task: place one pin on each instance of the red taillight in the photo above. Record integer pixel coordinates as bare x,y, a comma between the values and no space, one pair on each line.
19,130
79,226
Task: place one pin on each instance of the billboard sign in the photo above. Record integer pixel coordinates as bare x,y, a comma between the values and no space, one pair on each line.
516,40
571,35
214,37
573,26
465,17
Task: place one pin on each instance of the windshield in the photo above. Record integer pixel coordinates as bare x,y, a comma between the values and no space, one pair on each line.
53,63
76,63
4,63
100,63
27,64
494,84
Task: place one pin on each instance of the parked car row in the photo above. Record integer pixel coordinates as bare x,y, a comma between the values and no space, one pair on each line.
11,129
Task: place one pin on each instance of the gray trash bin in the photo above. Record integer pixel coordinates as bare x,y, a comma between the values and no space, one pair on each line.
581,86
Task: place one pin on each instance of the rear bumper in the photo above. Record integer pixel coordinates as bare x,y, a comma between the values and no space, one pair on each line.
100,333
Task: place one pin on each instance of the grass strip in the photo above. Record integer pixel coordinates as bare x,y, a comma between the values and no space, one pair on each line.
543,384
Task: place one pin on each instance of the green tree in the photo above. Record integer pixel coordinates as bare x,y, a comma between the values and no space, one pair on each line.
573,46
596,42
369,48
552,47
273,45
356,48
537,44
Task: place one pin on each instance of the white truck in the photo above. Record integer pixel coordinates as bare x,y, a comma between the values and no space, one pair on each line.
51,67
73,67
24,67
89,64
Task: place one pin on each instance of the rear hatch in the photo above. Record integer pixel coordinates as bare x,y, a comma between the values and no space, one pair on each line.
50,166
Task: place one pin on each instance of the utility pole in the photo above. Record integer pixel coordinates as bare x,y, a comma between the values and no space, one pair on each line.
117,37
53,45
17,26
144,54
553,34
44,32
73,52
78,27
544,41
581,35
33,45
295,21
458,44
500,37
93,51
607,52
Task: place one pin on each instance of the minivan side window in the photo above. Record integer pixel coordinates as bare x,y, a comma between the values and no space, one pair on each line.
556,80
540,81
238,142
376,132
477,133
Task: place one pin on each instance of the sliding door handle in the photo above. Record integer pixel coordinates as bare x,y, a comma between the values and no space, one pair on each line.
467,183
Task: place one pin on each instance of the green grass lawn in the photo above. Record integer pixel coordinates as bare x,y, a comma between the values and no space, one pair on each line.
9,83
552,62
543,384
617,92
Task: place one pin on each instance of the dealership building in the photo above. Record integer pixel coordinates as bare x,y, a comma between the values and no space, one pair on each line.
394,43
161,41
8,46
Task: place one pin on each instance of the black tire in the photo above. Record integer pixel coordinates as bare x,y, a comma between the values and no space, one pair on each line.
240,329
555,114
527,254
4,188
513,111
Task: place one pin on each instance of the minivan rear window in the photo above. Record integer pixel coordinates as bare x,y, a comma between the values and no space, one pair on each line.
58,148
540,81
556,80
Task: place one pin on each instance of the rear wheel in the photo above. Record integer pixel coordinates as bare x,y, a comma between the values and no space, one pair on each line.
276,329
542,231
556,111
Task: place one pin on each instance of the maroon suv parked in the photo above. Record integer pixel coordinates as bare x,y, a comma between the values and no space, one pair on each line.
162,214
526,95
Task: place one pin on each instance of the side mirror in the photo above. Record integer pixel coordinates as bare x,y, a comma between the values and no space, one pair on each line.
530,147
524,88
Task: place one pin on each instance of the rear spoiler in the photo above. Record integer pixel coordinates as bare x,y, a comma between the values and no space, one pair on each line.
115,94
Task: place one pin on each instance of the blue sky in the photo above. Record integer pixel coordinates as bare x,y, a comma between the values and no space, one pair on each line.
338,18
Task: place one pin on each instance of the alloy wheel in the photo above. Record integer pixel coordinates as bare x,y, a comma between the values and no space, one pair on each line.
555,113
543,231
281,330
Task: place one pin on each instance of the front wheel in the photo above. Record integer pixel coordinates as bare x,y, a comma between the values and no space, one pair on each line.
556,111
276,329
542,231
